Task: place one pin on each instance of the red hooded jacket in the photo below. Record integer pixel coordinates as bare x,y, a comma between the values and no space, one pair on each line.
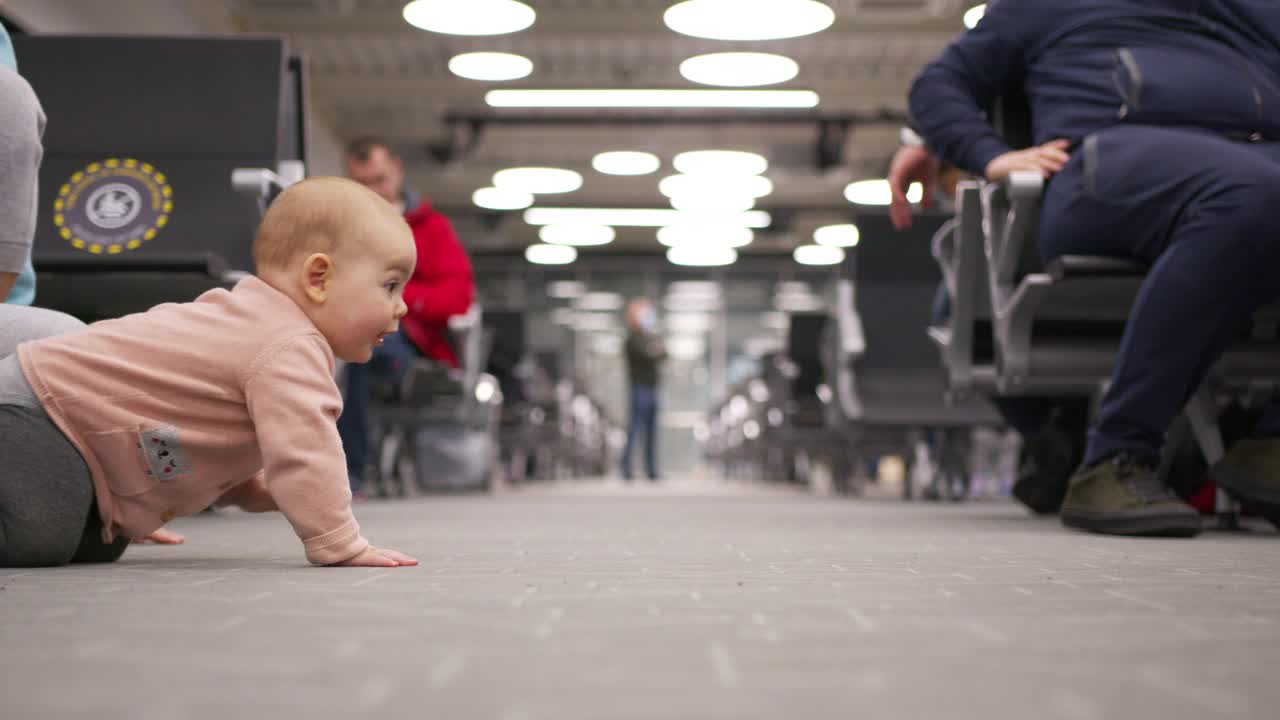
441,286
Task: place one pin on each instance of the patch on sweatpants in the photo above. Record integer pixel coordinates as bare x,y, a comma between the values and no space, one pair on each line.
166,459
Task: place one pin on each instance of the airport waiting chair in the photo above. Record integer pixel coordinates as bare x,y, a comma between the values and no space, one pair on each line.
890,391
136,207
1057,327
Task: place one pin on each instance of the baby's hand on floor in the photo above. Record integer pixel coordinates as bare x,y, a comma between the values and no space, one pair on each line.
162,537
378,557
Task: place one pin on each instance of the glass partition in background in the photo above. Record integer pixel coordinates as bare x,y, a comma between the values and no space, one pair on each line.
717,325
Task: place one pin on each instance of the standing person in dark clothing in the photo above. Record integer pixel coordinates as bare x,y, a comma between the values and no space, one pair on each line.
644,353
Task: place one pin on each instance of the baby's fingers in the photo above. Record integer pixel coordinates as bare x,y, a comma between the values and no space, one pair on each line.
400,557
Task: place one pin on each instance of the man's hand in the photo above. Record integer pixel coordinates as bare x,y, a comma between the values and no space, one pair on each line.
162,537
378,557
1045,159
910,165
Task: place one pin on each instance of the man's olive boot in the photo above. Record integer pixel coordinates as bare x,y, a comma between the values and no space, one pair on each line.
1122,495
1250,473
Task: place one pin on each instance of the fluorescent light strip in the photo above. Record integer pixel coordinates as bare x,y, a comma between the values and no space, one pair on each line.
618,98
633,217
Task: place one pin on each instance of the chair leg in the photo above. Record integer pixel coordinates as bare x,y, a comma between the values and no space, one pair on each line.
1202,414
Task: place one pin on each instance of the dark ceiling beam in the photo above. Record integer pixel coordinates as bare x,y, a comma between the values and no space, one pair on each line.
672,117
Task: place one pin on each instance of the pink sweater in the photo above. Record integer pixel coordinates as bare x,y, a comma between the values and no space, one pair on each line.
174,407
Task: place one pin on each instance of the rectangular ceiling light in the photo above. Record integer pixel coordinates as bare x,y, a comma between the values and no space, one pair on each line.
610,98
633,217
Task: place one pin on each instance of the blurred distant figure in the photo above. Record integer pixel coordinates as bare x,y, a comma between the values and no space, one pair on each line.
645,351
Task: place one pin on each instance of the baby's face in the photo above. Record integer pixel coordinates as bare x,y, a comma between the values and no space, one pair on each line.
365,302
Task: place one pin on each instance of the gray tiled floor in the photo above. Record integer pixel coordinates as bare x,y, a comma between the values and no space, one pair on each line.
596,601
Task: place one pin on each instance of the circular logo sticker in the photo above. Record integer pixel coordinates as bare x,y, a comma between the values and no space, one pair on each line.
113,206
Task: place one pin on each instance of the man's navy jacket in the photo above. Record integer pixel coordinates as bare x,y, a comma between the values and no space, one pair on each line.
1084,65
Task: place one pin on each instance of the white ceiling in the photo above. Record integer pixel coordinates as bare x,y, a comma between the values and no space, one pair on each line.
371,72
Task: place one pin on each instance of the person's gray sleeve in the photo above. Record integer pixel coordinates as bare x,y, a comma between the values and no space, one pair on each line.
21,127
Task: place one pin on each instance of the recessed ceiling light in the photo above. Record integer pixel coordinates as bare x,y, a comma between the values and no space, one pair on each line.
626,162
599,302
877,192
566,289
720,162
686,347
748,19
578,234
837,235
619,98
490,66
501,198
755,186
720,235
473,17
973,15
687,322
739,69
712,202
702,255
550,254
819,255
639,217
538,180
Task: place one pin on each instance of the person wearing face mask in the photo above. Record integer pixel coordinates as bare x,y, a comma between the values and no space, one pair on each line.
645,352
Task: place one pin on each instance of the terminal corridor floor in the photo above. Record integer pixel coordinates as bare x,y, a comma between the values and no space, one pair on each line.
693,600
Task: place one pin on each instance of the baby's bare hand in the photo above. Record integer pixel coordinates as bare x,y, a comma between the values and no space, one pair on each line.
378,557
1045,159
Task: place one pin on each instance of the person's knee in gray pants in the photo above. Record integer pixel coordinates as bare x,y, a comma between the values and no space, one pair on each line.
18,324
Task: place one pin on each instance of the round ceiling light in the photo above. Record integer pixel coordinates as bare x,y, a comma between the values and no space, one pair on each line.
490,66
581,235
538,180
550,254
702,255
712,202
626,162
819,255
501,198
841,236
877,192
473,17
720,162
755,186
748,19
973,15
705,234
739,69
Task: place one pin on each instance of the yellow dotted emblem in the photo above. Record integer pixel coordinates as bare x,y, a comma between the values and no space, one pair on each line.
113,206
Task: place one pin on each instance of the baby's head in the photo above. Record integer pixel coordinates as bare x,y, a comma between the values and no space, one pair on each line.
343,255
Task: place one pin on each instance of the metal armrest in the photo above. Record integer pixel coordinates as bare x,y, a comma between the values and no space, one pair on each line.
968,301
1076,266
260,185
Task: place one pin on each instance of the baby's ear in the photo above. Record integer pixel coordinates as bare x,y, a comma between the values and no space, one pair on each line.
317,276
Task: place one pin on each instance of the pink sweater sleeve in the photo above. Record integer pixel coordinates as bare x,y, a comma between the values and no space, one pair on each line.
294,405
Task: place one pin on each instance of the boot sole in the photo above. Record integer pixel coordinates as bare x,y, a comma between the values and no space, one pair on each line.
1147,525
1244,489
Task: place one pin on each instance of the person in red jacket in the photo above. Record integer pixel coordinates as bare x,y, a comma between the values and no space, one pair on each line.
442,286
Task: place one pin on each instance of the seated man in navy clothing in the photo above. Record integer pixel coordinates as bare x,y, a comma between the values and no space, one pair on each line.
1156,123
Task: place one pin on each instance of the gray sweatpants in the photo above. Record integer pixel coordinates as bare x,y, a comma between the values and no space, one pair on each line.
21,127
47,511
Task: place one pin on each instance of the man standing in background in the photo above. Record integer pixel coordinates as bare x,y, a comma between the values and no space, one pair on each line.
644,352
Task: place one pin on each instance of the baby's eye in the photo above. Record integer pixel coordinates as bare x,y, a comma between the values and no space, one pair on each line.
392,286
